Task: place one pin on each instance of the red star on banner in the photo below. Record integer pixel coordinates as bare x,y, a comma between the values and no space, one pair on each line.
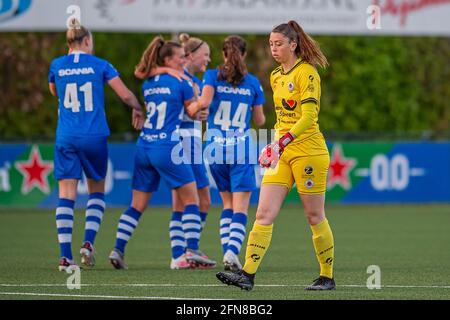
35,172
340,168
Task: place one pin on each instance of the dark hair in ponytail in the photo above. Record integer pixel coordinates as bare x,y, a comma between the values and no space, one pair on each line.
234,70
307,48
155,54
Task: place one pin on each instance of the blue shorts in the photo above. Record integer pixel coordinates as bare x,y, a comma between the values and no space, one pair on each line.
152,164
73,155
234,177
192,147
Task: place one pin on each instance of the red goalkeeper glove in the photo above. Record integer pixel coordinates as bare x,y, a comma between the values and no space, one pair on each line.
271,154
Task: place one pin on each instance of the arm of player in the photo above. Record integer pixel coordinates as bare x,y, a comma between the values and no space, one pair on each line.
309,84
201,106
258,115
271,153
130,99
52,88
162,70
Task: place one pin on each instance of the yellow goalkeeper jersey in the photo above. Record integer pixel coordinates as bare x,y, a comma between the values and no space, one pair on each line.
291,90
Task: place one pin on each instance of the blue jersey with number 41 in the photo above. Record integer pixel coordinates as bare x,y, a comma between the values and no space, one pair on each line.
80,84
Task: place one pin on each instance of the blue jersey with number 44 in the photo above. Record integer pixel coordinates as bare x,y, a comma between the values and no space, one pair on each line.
164,97
80,84
231,108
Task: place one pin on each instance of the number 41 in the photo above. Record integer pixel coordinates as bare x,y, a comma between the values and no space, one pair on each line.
71,100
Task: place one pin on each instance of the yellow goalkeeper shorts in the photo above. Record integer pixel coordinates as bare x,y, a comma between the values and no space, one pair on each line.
306,163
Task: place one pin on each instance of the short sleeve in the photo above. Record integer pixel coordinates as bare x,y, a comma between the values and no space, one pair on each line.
309,80
259,93
110,72
187,90
210,78
52,73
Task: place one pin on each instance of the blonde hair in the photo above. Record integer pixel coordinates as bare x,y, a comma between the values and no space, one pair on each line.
190,44
76,33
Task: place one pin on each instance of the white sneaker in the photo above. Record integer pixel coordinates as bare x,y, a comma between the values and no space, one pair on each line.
198,259
65,263
117,260
87,253
179,263
231,262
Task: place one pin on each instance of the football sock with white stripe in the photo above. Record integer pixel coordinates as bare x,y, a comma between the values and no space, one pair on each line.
192,224
94,216
127,224
177,240
225,221
237,232
64,224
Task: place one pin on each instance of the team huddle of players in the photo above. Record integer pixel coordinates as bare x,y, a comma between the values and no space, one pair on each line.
170,147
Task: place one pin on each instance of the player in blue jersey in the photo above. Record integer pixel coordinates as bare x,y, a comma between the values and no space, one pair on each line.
165,97
78,80
197,59
233,96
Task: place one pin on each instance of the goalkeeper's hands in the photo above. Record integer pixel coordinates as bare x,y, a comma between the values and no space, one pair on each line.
271,154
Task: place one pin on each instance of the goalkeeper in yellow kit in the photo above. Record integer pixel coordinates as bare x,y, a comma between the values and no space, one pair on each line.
299,155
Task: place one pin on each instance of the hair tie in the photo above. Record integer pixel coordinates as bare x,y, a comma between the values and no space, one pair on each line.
197,47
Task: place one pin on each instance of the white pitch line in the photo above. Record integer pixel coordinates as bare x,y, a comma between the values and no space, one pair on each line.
156,285
95,296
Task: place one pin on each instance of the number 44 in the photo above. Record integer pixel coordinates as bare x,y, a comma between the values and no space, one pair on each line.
223,116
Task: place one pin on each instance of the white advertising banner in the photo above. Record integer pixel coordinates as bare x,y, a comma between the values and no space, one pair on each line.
368,17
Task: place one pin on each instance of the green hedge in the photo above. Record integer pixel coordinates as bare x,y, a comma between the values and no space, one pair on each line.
374,85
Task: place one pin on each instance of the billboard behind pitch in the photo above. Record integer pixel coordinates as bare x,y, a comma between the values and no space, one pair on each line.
372,173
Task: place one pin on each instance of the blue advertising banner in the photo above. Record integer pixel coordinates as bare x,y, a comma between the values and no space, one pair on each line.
373,173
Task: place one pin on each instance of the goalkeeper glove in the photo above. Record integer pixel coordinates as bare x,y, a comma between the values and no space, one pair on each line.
271,154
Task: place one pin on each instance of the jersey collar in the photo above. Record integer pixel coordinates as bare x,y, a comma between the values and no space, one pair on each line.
297,63
77,52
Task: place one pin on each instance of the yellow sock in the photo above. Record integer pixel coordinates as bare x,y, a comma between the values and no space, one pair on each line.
257,245
324,245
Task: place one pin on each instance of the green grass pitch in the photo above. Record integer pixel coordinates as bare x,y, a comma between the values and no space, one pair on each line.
410,244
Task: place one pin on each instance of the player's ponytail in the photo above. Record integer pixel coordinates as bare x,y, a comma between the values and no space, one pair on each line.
234,69
190,44
154,55
307,48
76,33
149,57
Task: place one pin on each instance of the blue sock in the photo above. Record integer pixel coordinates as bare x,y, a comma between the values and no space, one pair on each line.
237,232
127,224
192,224
64,224
94,216
177,240
203,216
225,221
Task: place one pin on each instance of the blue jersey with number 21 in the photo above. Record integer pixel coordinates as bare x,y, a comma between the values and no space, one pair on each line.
80,82
164,97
